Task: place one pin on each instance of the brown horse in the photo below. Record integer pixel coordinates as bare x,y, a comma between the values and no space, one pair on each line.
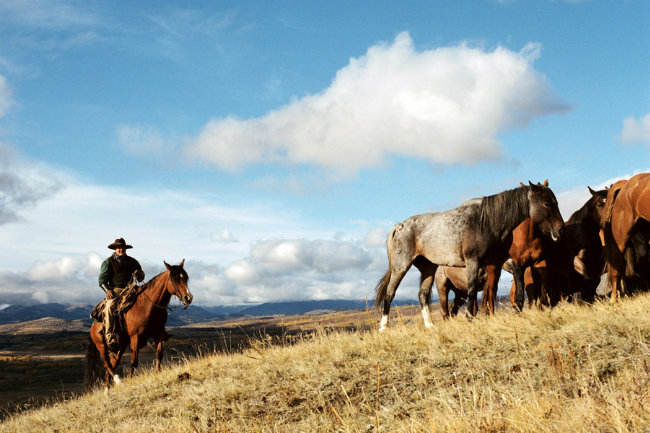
627,213
145,319
551,271
448,279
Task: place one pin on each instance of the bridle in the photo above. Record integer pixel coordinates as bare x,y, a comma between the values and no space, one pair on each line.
166,307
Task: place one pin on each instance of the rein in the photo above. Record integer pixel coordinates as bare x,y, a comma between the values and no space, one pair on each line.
164,307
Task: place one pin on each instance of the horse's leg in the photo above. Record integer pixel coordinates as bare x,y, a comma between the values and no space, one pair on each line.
393,282
472,283
442,286
134,354
622,226
490,290
427,272
108,364
115,361
518,276
159,354
459,300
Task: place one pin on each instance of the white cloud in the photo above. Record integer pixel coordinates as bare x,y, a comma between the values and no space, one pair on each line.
242,272
375,238
636,131
446,105
65,267
42,297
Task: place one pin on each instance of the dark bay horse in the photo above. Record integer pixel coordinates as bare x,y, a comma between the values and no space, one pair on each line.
475,234
578,256
145,319
627,213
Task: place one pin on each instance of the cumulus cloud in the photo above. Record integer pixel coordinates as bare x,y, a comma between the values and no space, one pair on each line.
65,280
63,268
636,131
445,105
375,238
300,269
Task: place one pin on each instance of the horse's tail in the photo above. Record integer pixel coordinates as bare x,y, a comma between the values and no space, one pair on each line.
93,365
380,289
382,285
606,223
630,261
606,217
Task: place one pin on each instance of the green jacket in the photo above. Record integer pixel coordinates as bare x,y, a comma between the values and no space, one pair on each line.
117,273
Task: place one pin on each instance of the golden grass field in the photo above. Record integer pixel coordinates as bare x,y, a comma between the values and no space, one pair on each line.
570,369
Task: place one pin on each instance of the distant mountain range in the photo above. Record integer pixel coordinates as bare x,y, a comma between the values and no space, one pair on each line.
180,317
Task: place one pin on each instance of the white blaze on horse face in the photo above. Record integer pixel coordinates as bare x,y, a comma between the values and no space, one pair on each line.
426,317
384,323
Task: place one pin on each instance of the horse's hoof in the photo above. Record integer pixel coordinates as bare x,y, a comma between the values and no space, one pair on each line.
105,391
117,379
469,317
428,325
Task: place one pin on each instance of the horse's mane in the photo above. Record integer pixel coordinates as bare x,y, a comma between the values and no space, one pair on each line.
609,203
500,211
133,292
584,211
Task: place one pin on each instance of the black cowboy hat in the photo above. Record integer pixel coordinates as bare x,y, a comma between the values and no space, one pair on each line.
119,243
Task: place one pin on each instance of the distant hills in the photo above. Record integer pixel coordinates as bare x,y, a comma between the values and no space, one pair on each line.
193,314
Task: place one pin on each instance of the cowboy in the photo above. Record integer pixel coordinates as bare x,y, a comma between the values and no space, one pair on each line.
115,274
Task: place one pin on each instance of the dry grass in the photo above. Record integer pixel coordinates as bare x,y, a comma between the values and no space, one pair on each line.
572,369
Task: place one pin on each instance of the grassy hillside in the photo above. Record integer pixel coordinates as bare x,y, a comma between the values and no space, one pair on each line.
571,369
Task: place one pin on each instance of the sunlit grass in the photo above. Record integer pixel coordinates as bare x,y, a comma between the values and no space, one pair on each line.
569,369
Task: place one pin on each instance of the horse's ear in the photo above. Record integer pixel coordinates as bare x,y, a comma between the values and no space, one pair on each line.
546,183
591,190
522,184
182,263
167,266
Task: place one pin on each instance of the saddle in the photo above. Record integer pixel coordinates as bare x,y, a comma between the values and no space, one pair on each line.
125,301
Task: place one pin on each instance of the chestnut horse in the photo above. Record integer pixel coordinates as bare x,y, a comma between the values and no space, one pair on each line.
145,319
627,213
477,233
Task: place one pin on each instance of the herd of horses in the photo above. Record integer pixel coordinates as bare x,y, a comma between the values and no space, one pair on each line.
462,250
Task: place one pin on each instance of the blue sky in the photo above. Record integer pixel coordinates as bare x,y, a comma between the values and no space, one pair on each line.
273,145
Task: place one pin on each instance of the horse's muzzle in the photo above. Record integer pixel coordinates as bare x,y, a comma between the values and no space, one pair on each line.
187,299
557,233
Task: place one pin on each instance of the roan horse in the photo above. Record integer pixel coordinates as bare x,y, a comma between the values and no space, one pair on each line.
627,213
475,234
145,319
